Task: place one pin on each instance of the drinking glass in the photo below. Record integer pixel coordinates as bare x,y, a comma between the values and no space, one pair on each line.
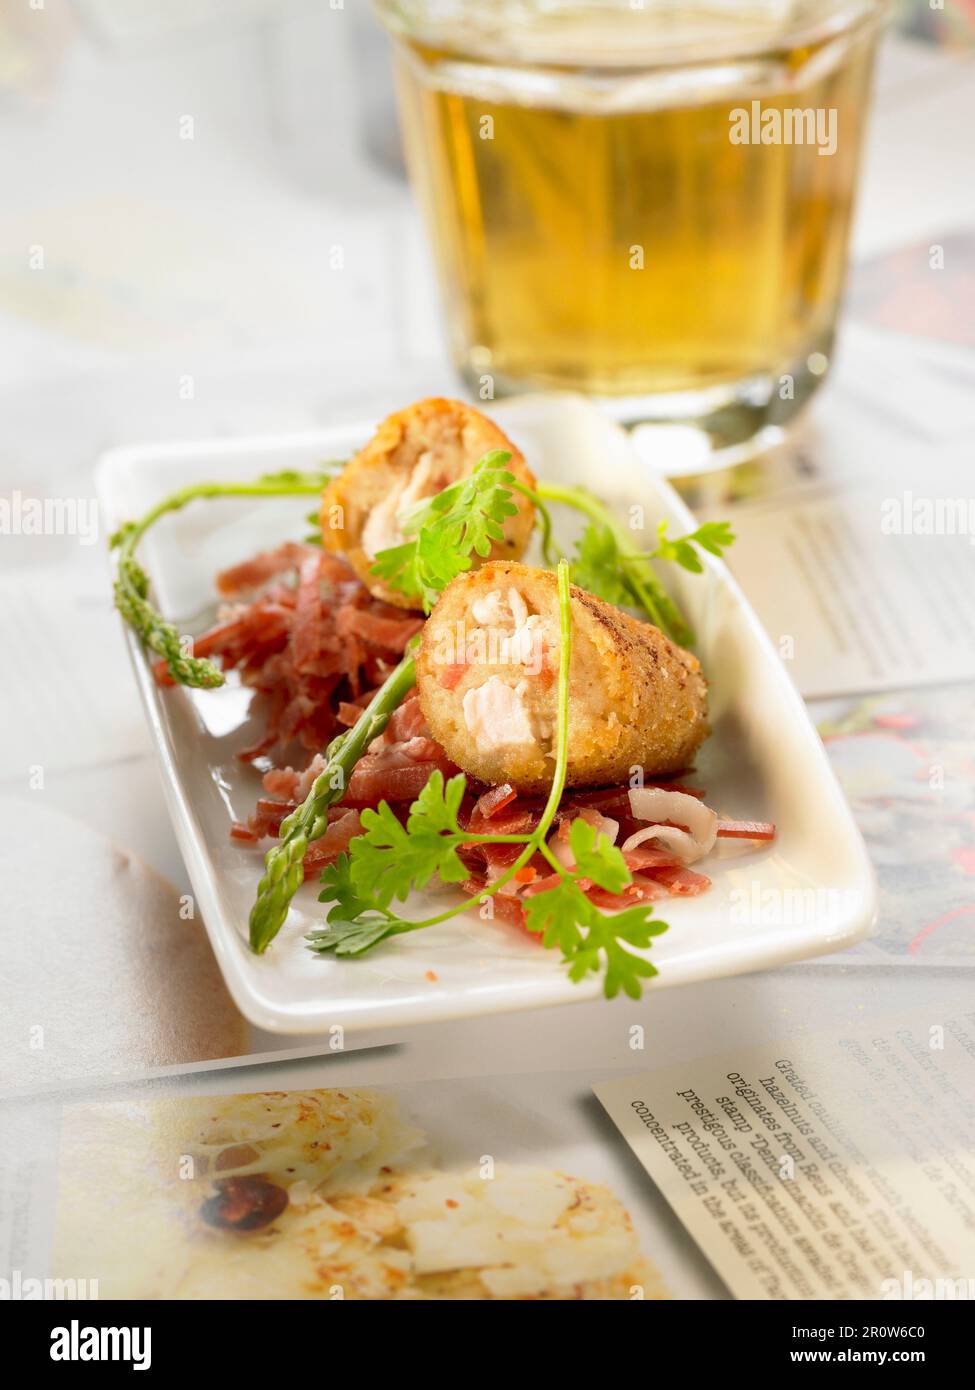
647,202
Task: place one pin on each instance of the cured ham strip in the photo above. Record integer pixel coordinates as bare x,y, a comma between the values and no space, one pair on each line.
408,723
390,633
347,713
372,783
255,572
306,637
269,814
647,857
746,830
641,890
494,800
682,882
508,909
341,831
520,818
312,642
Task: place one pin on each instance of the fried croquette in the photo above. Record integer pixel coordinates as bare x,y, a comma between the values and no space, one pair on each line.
413,455
487,678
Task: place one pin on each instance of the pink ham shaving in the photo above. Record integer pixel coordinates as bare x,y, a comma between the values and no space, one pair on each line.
746,830
341,831
310,641
682,882
306,633
313,644
252,574
494,801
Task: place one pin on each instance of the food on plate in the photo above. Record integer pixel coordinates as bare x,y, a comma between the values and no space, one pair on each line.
486,681
303,631
414,455
322,1194
466,722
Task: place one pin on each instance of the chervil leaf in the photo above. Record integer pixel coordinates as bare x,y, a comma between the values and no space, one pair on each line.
386,861
389,862
596,566
597,858
397,567
437,806
350,938
713,536
390,859
339,888
625,971
555,914
444,531
439,557
591,940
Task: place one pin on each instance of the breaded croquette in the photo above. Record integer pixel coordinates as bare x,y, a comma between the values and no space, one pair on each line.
487,681
413,455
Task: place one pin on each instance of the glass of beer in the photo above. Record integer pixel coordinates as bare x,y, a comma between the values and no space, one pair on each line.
643,200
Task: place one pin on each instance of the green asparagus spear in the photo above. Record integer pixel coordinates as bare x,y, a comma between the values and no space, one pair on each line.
132,582
283,870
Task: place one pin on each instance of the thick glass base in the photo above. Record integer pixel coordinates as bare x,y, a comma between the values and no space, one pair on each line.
697,430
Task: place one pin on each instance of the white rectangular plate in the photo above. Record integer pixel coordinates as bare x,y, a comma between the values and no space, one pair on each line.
809,893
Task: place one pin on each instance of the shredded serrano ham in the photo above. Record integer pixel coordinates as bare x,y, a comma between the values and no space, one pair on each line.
309,639
746,830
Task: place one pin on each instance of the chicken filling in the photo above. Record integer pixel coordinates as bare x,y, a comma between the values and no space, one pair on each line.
498,713
383,527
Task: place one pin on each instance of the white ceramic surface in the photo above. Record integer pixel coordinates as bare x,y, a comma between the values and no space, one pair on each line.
810,892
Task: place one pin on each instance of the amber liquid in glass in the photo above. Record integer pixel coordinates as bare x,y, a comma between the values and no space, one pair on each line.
638,251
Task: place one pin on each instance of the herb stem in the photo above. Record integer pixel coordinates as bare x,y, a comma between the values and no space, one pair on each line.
549,553
132,583
646,587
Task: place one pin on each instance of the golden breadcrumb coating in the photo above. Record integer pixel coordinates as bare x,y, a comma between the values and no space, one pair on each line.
414,454
487,674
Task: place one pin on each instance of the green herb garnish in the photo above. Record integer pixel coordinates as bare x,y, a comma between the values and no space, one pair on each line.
389,860
444,531
132,582
606,563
